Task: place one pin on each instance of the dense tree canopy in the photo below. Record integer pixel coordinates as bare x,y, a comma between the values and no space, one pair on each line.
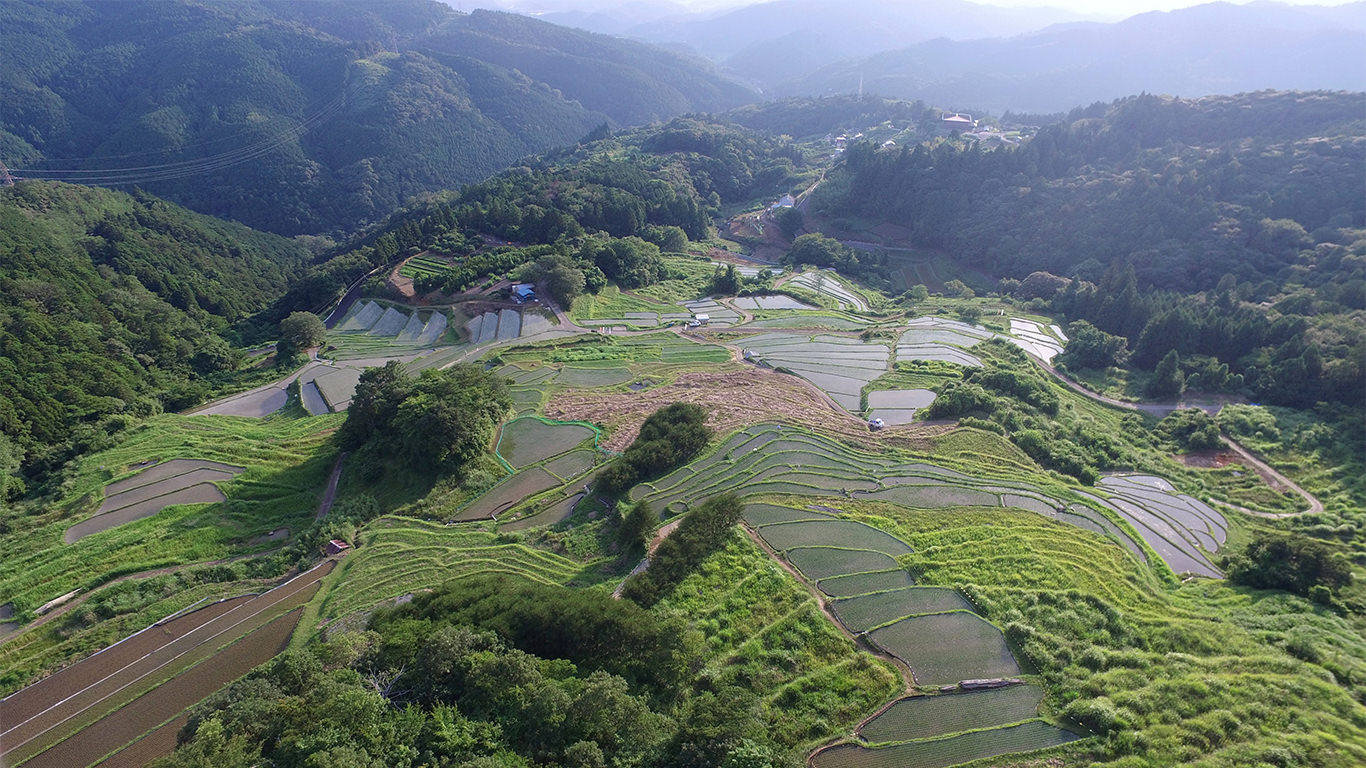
438,421
115,306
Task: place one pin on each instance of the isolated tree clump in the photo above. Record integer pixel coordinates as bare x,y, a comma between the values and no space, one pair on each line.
1168,380
669,438
439,421
1294,563
300,331
703,532
1090,347
1191,429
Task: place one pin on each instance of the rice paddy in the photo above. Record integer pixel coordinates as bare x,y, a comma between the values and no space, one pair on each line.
178,481
935,631
952,750
828,283
770,302
772,459
922,717
841,366
868,611
508,494
1179,528
528,440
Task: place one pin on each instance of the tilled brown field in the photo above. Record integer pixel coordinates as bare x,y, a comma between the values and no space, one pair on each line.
174,696
158,743
43,714
732,400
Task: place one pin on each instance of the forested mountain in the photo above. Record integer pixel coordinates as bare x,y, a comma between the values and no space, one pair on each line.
1217,48
1228,229
655,186
111,308
313,117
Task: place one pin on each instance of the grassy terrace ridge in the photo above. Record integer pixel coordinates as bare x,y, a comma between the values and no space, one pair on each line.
400,555
763,631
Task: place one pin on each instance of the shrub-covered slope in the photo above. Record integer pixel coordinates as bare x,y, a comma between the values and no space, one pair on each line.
112,304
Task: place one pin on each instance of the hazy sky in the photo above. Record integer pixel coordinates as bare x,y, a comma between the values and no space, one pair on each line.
1119,8
1108,8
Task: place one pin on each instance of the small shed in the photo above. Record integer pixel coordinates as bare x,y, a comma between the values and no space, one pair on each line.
336,547
524,292
700,319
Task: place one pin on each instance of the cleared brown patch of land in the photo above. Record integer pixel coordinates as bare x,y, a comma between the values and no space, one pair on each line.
1206,459
733,400
154,707
158,743
52,710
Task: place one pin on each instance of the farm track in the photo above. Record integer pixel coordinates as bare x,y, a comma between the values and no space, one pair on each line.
47,711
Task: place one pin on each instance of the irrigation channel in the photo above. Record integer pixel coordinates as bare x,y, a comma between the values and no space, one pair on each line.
91,709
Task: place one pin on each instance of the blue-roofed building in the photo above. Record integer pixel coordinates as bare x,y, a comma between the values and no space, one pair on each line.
524,292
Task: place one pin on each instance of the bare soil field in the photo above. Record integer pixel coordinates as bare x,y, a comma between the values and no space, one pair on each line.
732,400
195,494
59,706
154,707
156,744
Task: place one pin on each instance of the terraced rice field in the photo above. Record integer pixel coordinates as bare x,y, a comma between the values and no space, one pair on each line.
719,314
809,320
898,406
868,611
770,302
1179,528
1034,339
923,717
402,555
529,440
572,464
825,283
933,630
841,366
588,376
508,494
769,458
953,750
178,481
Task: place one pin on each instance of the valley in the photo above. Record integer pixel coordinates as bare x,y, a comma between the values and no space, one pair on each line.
810,433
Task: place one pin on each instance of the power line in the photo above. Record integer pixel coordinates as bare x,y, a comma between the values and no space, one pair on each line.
185,168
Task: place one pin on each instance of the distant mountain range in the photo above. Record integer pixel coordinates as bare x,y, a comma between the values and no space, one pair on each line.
1209,49
313,117
966,55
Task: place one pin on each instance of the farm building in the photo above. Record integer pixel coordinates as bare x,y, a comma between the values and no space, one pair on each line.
958,122
335,547
786,201
523,292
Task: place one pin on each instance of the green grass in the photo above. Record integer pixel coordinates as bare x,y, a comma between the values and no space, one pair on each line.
287,460
868,611
763,631
399,555
611,302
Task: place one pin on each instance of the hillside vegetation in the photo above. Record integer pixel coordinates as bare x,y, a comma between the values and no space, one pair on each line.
115,307
1227,229
313,117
